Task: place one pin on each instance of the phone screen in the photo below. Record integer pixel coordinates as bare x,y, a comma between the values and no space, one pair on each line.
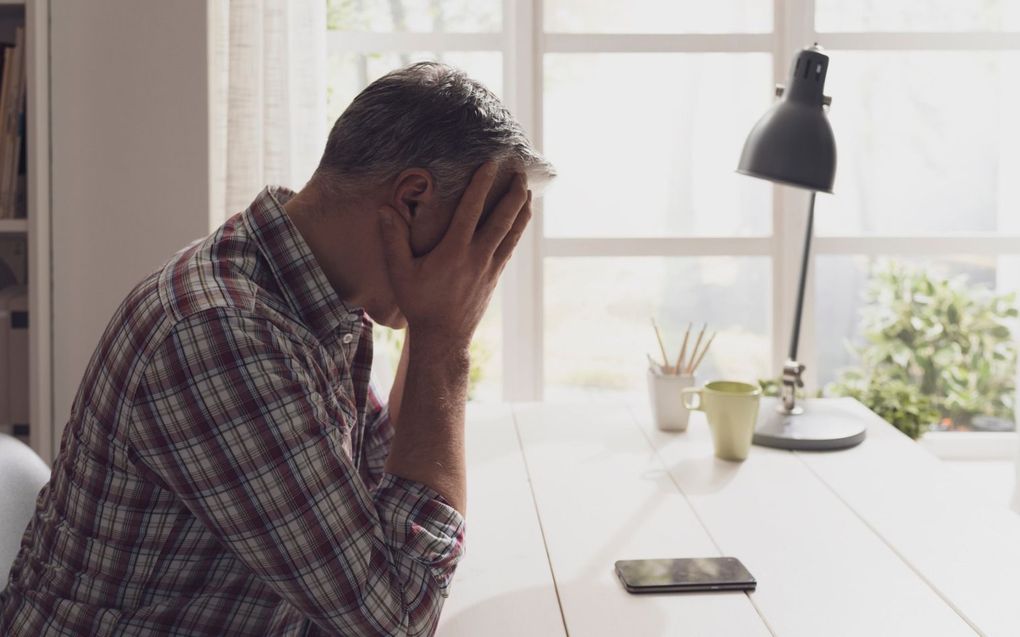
690,574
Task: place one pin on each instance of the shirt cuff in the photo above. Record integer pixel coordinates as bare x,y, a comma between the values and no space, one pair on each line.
422,525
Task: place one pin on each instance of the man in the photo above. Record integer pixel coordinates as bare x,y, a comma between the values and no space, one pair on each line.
227,469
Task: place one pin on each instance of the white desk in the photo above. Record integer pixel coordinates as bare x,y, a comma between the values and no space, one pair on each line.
872,541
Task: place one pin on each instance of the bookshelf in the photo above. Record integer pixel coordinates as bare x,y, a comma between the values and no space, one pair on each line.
34,231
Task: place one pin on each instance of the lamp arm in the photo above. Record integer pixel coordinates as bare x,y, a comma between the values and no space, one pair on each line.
801,287
793,369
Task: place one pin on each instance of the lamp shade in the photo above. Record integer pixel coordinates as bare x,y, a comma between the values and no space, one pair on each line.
792,143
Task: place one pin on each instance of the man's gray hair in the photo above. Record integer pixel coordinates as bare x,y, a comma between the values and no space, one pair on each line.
427,115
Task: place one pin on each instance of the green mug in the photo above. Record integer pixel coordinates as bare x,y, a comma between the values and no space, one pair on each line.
732,411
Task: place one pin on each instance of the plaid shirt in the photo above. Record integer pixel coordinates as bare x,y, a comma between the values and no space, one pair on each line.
221,472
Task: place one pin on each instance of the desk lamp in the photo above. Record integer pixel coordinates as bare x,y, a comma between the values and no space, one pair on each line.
793,145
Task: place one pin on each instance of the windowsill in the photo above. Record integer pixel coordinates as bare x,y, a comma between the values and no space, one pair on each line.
971,445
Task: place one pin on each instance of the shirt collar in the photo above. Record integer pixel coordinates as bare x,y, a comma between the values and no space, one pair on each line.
303,283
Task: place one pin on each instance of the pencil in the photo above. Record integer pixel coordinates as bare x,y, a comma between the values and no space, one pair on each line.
655,367
708,344
683,349
697,343
662,348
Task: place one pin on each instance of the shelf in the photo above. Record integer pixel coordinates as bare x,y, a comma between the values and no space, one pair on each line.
13,225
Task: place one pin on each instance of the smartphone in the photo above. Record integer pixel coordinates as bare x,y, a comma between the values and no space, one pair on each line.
686,575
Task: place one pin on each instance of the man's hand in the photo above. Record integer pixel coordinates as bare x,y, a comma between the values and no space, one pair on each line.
444,293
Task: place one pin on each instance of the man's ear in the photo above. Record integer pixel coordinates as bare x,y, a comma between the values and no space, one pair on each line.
413,189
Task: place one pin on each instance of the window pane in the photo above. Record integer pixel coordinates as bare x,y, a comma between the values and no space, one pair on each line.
647,144
917,15
598,310
944,327
350,73
450,16
658,16
918,155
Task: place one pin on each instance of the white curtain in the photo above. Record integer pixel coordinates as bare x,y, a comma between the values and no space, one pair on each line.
268,83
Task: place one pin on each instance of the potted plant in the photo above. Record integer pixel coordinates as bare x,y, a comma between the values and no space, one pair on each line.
936,352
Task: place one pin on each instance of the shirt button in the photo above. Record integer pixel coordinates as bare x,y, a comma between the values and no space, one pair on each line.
353,317
347,339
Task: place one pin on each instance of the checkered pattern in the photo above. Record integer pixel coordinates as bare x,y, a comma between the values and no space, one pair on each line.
221,472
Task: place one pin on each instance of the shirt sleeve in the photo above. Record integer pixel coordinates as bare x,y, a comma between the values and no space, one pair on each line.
229,417
378,436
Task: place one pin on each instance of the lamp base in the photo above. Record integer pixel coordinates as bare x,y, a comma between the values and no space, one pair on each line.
826,424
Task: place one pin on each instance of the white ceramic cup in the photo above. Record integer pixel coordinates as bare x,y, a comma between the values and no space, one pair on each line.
666,394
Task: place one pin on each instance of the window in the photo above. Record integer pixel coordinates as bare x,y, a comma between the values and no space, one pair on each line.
644,105
923,101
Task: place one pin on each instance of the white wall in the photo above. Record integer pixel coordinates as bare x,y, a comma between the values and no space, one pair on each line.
130,160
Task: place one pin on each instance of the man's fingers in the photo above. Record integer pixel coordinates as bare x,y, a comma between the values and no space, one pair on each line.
396,241
465,217
502,219
509,242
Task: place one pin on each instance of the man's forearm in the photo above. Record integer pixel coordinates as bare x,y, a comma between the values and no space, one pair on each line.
443,295
428,443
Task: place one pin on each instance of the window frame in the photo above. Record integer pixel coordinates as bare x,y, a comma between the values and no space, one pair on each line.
523,44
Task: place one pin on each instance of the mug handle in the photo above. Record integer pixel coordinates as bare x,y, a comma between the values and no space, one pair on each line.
686,393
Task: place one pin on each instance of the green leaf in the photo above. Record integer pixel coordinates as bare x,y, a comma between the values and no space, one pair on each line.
933,348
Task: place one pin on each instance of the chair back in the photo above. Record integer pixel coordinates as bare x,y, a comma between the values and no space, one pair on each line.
22,475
